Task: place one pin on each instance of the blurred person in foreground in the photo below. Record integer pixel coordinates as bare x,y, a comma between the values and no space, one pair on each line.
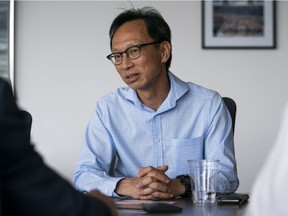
269,192
154,125
27,186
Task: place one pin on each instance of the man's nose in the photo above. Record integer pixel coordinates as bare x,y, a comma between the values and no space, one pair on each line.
126,61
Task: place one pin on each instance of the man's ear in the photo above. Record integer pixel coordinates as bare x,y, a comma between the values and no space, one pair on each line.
165,51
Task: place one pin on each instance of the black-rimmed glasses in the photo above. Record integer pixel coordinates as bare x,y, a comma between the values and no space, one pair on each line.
132,52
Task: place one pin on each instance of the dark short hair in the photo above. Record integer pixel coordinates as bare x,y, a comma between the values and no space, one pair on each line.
157,27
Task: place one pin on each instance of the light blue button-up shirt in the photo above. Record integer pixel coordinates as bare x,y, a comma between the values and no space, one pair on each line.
191,123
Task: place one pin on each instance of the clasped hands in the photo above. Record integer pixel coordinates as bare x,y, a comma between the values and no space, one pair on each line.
150,184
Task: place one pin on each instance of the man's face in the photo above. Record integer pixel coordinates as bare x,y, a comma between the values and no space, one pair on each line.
146,71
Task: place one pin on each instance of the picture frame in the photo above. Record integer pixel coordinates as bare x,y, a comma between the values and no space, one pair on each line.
7,41
238,24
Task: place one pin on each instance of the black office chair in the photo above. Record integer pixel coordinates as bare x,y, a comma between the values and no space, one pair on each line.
232,107
28,121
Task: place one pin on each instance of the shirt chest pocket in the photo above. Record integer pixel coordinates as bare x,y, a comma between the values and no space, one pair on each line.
181,150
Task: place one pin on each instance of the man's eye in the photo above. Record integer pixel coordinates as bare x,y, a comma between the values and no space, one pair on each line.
117,56
133,51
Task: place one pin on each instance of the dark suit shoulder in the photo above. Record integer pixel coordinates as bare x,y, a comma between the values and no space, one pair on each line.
7,99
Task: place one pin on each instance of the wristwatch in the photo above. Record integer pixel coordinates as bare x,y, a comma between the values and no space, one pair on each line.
186,181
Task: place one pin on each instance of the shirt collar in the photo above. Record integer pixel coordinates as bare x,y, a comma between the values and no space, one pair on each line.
177,89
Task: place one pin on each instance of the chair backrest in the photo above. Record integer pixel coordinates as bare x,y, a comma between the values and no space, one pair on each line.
232,107
28,121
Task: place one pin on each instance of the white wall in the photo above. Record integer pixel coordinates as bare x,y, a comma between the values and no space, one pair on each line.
61,71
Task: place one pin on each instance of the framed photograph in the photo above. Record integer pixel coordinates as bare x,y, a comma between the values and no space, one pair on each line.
238,24
7,40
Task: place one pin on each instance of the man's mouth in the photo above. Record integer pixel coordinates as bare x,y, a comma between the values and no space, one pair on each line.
132,78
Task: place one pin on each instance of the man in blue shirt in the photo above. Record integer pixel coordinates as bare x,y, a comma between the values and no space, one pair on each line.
154,125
